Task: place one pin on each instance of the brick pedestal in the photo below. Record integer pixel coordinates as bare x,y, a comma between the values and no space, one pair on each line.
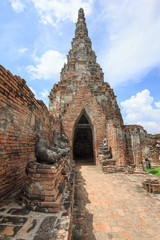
44,187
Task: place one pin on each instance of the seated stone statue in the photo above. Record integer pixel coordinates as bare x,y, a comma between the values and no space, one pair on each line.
44,153
51,154
104,149
60,143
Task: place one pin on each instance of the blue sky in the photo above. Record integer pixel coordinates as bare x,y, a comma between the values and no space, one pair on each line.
35,37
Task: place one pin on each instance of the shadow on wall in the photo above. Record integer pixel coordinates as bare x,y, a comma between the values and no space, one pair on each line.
82,227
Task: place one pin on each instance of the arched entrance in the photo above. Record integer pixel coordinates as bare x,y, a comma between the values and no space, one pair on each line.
83,140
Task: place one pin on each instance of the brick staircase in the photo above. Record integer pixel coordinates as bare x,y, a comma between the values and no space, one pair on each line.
109,166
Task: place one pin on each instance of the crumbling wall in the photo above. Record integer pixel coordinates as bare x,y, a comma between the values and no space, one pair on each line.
154,144
22,119
117,141
137,144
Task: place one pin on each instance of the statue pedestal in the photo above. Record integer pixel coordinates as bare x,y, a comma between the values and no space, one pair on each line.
43,190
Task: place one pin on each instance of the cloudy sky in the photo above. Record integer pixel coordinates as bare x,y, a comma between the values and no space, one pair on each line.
35,37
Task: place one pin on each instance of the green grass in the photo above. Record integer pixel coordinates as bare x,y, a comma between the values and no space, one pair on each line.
154,171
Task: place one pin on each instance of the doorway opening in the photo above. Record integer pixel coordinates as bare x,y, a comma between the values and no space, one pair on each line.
83,140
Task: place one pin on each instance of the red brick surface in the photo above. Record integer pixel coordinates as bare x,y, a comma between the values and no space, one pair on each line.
82,87
155,149
22,119
84,100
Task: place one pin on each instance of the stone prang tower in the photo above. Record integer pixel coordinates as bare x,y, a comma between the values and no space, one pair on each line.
88,109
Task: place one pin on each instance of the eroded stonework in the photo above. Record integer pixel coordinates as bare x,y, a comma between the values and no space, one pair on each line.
82,68
82,89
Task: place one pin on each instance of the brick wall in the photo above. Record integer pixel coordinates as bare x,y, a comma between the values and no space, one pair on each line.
22,119
136,144
154,143
117,141
125,141
84,99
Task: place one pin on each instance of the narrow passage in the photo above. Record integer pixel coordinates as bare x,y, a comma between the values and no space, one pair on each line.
113,206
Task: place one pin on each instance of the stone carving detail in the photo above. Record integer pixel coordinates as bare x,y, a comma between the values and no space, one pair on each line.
51,154
45,153
107,153
105,158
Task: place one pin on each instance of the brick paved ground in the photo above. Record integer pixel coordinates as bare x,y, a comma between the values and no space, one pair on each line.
113,206
20,223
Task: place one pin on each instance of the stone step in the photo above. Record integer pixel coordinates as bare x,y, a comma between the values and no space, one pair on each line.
113,169
107,162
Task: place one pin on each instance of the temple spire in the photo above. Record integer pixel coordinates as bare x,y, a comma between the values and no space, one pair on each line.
81,27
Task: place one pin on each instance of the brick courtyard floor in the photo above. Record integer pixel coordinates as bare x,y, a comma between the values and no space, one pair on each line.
114,206
19,223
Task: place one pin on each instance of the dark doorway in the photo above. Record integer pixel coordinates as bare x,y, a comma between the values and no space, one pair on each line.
83,140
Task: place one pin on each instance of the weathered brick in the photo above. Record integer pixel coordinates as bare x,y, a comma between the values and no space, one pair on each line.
18,137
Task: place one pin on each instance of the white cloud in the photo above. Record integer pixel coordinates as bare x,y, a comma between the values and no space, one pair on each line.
23,50
17,5
157,104
139,110
48,65
132,39
52,12
45,93
47,19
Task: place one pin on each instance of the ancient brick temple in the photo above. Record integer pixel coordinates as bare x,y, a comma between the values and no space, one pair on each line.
89,111
81,106
39,146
